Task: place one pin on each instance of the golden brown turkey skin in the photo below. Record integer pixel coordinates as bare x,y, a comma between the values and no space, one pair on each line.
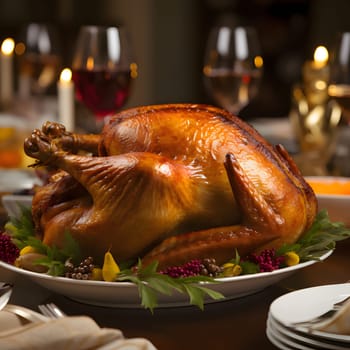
166,173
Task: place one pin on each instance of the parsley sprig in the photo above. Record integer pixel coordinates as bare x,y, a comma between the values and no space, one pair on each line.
319,239
150,283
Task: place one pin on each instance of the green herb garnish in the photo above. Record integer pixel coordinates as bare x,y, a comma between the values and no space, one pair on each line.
319,239
22,233
150,283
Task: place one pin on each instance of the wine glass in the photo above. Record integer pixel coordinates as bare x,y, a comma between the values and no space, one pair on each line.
339,91
339,82
39,59
103,70
233,66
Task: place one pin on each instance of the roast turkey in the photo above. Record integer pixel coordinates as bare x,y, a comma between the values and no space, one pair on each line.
169,183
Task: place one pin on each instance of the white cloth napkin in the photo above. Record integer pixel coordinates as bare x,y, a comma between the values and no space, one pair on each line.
67,333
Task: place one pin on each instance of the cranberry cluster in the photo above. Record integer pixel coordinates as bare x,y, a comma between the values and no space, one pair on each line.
191,268
195,267
267,260
9,252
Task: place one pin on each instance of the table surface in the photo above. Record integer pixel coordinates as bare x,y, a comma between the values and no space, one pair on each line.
233,324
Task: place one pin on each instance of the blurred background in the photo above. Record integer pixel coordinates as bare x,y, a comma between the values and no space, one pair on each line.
169,38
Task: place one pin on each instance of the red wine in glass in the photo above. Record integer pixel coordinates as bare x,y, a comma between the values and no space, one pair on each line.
103,70
102,91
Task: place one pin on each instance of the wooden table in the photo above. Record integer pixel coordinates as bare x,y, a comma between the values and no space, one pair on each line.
234,324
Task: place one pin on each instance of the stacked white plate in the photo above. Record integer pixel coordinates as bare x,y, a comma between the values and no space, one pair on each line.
303,305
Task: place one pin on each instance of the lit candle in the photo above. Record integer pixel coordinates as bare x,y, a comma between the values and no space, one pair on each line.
316,77
320,57
6,82
65,88
317,69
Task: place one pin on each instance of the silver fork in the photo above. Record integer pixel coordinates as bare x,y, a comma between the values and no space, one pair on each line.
5,293
51,310
328,314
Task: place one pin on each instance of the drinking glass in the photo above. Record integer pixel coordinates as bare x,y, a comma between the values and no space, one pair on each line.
103,69
39,59
233,66
339,91
339,85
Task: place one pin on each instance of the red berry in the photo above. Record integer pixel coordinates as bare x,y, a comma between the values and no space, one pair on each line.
191,268
9,252
267,260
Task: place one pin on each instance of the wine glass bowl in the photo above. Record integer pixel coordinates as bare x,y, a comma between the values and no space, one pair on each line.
339,83
39,59
339,92
233,66
103,69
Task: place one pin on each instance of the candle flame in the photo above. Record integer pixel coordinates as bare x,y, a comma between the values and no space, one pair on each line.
66,75
321,55
90,63
7,46
258,61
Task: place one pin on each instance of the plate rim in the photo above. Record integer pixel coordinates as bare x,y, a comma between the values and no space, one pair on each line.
321,334
304,337
254,276
125,294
